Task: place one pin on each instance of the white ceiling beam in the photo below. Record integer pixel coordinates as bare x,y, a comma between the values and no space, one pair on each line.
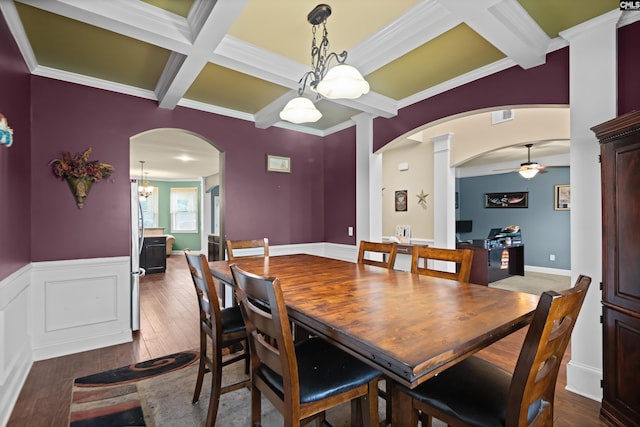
506,25
420,24
12,18
138,20
181,71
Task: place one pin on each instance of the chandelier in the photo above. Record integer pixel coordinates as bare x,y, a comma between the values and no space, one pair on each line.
339,82
144,189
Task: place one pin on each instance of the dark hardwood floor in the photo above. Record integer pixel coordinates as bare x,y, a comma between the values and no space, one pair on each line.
169,319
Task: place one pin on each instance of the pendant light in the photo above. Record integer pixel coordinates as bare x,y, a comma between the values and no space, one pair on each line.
339,82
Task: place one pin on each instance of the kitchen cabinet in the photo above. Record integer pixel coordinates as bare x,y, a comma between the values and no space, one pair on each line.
153,257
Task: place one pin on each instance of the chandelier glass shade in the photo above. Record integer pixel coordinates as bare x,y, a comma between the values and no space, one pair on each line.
300,110
144,189
341,81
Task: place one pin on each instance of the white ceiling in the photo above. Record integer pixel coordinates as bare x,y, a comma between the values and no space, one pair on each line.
172,154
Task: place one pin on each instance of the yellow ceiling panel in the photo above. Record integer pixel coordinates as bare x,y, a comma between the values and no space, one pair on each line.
332,114
69,45
554,16
449,55
275,24
179,7
230,89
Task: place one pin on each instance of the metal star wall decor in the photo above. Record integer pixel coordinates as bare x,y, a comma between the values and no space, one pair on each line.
422,199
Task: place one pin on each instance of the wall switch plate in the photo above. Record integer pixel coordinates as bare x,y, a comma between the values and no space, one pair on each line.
552,257
350,231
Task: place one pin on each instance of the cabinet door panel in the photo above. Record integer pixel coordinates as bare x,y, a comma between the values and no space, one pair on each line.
621,209
621,367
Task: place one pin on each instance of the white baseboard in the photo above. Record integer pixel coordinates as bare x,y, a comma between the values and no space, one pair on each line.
10,390
584,380
81,344
15,339
547,270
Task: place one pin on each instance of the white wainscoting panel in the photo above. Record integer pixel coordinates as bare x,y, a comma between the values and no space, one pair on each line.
15,339
80,305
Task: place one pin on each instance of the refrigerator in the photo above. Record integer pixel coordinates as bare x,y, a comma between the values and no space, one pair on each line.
137,238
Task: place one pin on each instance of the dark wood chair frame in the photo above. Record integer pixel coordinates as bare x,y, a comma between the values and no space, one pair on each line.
271,343
462,257
247,244
388,251
212,327
534,379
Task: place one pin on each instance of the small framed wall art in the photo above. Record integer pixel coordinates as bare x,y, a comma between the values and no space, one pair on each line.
401,200
507,200
278,164
562,198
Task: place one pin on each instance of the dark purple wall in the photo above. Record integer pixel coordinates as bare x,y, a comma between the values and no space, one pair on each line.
15,182
316,202
287,208
629,68
340,186
544,84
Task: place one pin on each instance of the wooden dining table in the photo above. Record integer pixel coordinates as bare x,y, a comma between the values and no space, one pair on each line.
410,327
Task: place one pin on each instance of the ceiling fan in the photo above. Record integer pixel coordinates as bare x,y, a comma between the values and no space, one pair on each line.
528,169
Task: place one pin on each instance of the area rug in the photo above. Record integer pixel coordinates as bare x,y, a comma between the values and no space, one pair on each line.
112,398
162,397
534,283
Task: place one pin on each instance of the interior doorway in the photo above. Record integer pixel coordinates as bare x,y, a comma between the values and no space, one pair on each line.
177,167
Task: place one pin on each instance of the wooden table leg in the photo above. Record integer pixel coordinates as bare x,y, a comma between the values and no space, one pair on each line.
402,413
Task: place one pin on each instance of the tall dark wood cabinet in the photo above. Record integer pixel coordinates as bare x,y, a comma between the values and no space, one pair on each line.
620,150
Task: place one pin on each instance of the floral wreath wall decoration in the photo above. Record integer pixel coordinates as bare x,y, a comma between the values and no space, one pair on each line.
80,173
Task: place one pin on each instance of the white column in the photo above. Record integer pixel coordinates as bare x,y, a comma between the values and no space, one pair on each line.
444,189
593,97
368,182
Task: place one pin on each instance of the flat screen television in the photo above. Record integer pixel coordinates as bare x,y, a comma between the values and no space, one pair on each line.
464,226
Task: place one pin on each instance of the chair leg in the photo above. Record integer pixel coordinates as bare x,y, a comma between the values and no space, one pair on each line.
425,419
214,399
387,401
202,369
256,407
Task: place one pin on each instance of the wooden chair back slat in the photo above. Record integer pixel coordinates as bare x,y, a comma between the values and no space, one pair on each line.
386,251
235,247
462,257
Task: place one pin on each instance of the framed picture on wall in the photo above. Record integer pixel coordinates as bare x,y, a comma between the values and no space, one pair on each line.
278,164
507,200
401,200
562,199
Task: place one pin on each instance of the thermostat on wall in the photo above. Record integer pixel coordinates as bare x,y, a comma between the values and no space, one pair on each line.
403,166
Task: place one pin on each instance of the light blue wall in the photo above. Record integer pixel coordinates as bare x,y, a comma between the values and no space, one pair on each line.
545,231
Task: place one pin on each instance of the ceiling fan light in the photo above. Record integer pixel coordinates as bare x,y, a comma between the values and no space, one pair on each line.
300,110
343,82
528,172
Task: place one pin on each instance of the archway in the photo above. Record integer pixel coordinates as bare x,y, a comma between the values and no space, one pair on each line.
178,164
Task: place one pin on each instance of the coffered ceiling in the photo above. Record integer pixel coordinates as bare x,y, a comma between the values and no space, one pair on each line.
244,58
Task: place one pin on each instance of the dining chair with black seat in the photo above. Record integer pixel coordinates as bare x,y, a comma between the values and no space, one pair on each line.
478,393
219,328
235,248
369,253
463,258
302,380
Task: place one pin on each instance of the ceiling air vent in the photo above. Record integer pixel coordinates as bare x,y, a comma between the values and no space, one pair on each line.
501,116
